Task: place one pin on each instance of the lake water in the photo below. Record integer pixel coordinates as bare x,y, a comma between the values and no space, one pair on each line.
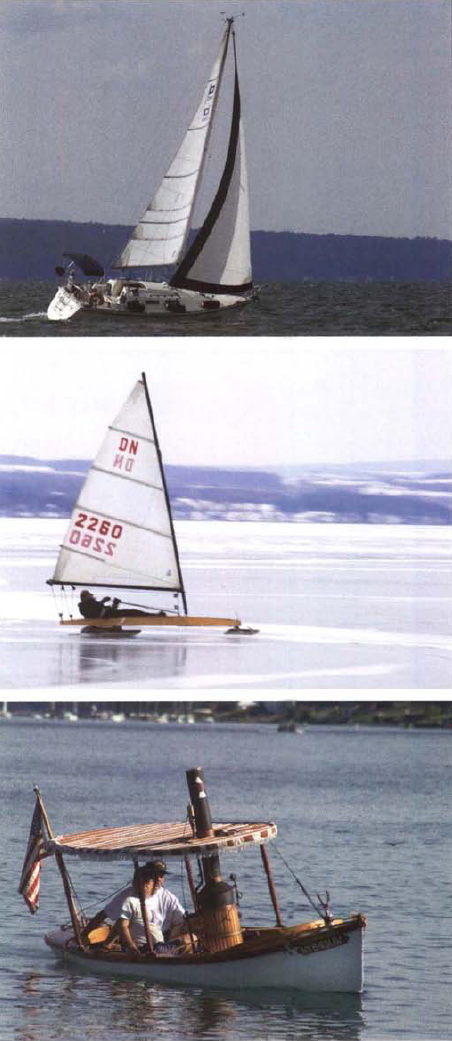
289,309
363,812
338,607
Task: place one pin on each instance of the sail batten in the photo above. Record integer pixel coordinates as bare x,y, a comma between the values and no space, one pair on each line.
115,585
121,532
130,433
177,191
132,480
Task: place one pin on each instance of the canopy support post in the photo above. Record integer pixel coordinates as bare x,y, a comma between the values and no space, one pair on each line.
141,893
191,882
271,884
62,869
70,901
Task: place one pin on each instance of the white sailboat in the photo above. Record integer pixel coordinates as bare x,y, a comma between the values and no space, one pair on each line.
212,272
121,534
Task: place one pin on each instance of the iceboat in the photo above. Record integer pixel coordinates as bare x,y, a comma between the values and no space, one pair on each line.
121,536
209,272
220,950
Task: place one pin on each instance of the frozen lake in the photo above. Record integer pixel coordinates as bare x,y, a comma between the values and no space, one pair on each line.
338,607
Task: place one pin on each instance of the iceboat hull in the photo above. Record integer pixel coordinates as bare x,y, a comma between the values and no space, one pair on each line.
313,960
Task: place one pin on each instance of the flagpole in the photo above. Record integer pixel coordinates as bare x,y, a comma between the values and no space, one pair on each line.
62,868
43,812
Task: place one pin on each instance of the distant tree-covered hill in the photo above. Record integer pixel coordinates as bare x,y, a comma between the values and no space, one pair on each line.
49,488
30,249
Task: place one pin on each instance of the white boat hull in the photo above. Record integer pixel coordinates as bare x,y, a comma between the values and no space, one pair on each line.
139,299
64,304
330,963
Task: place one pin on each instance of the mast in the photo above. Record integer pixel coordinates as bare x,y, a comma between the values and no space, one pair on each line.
165,489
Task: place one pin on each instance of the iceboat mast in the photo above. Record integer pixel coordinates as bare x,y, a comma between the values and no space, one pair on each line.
165,489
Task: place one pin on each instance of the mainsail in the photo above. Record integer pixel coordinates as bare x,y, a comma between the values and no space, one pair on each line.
160,236
219,259
121,532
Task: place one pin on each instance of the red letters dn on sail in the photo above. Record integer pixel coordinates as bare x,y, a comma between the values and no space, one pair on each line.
124,458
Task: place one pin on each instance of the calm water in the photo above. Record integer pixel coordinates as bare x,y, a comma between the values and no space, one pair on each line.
299,309
364,813
338,606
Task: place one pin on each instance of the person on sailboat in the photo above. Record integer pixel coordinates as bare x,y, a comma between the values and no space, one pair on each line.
166,916
89,607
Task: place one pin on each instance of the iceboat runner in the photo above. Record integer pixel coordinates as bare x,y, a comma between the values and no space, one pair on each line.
121,534
220,950
210,273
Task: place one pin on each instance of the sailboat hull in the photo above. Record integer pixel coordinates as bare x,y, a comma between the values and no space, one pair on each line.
304,959
65,304
141,299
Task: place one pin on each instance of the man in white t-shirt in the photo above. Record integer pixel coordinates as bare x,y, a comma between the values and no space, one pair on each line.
165,913
111,912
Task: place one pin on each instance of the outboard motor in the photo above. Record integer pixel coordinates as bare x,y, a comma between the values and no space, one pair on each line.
219,923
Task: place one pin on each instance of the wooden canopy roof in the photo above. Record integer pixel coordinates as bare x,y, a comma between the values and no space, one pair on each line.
174,839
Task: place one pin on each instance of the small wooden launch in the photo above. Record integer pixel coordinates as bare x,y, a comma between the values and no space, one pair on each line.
220,950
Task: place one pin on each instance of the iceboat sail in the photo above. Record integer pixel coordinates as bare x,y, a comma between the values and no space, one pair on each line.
219,259
121,532
159,237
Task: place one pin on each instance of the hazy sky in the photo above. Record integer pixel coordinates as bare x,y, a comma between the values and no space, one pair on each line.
233,402
346,106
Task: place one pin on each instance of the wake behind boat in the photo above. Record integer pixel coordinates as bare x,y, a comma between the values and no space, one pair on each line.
215,948
211,273
121,535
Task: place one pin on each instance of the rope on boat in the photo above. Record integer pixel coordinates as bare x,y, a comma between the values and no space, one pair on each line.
150,607
56,604
65,602
322,908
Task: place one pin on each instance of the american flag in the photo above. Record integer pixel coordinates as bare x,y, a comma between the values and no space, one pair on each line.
30,878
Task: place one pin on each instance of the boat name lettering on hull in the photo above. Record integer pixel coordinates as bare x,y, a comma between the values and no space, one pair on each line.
322,945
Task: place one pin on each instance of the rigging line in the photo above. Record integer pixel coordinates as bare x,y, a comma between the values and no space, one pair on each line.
317,909
67,601
130,603
55,602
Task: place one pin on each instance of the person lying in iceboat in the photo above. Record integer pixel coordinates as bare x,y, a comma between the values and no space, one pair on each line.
91,608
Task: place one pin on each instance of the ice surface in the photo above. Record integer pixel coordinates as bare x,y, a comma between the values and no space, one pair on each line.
339,607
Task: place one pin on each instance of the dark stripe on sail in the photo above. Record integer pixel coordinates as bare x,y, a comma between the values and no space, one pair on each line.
180,279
